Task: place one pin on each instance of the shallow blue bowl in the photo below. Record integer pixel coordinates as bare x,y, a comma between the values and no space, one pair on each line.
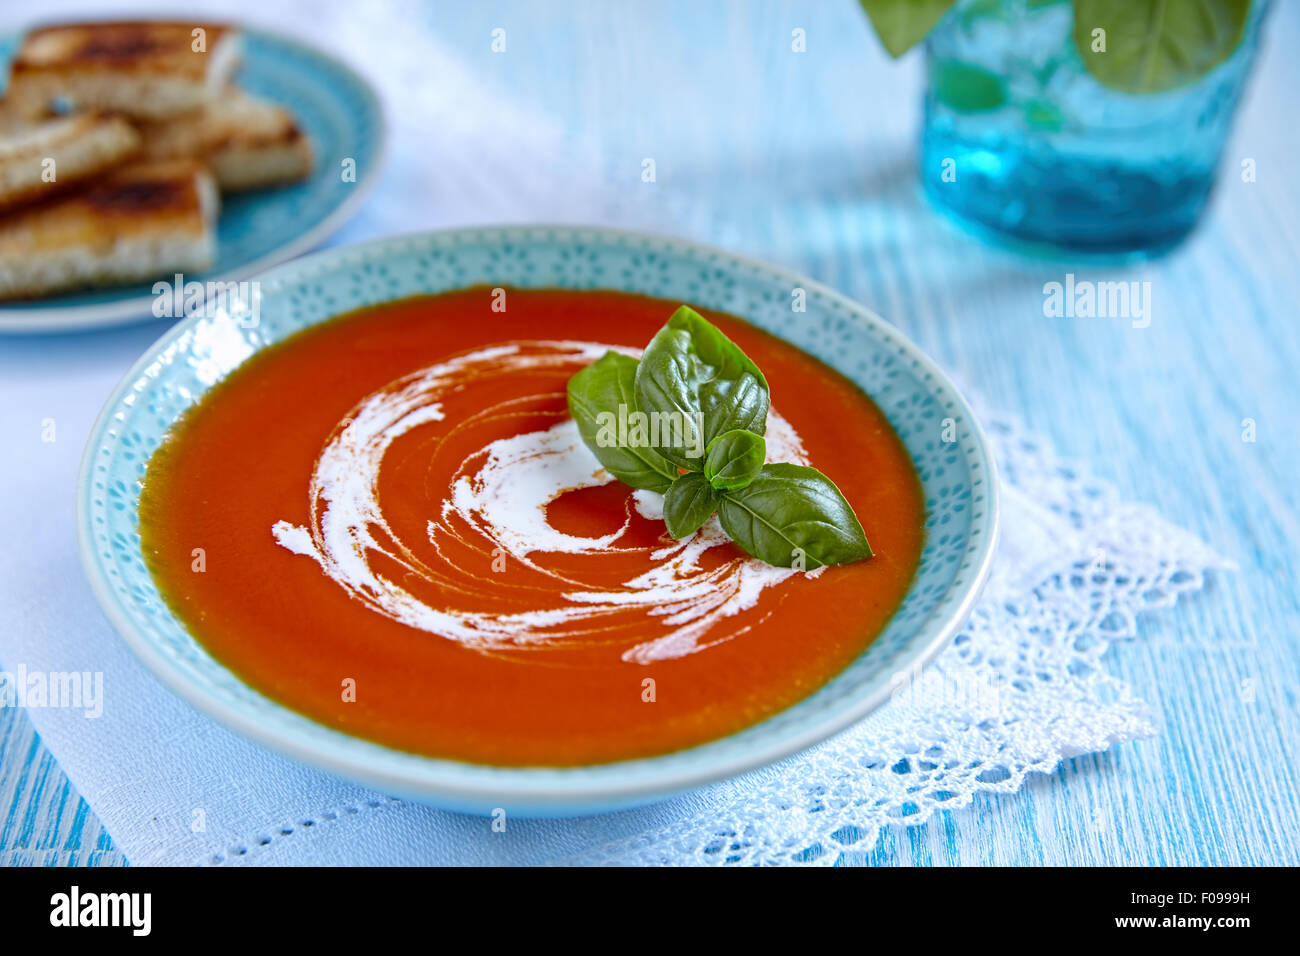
921,403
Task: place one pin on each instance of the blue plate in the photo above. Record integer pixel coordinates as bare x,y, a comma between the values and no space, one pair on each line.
920,402
343,117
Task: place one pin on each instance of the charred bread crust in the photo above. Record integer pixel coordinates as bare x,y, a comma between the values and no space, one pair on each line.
143,221
248,142
43,157
144,69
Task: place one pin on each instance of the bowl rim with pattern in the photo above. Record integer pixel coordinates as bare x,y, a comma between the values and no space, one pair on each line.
358,111
961,507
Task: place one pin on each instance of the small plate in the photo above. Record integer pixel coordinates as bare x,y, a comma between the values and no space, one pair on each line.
337,109
919,400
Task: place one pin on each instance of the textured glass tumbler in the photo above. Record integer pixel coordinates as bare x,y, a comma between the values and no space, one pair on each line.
1021,143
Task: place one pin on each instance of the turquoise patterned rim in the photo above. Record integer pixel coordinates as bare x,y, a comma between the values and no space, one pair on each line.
921,403
342,115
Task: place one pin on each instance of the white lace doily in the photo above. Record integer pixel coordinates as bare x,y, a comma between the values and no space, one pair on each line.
1021,688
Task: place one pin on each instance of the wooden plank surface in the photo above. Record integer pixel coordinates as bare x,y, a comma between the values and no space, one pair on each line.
807,160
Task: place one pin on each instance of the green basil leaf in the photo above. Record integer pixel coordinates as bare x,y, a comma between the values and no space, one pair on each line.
1042,115
697,378
688,504
1151,46
966,88
902,24
734,459
595,396
790,511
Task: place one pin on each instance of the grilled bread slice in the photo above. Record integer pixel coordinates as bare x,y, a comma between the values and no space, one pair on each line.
247,142
41,157
139,222
149,70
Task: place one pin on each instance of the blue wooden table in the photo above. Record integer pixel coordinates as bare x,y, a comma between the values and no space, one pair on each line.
807,160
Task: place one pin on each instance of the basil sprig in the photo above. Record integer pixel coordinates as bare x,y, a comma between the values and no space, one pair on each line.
688,420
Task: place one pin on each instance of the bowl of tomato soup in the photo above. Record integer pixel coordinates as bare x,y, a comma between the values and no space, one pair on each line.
353,520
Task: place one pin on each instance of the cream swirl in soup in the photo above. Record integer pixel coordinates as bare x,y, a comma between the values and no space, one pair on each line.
497,502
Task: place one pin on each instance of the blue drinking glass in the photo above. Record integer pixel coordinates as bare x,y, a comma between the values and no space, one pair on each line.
1021,143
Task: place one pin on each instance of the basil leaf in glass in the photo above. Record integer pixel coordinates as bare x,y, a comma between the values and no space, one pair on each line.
1150,46
793,516
734,459
902,24
965,87
602,399
697,380
688,504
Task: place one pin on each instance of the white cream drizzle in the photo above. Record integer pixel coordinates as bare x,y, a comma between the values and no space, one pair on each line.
502,492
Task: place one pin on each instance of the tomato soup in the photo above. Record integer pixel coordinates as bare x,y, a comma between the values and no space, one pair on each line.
389,523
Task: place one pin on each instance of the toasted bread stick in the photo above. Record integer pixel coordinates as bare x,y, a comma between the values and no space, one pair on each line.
39,158
140,222
248,142
148,70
